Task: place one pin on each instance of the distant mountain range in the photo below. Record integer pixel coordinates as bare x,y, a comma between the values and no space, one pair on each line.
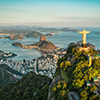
19,32
27,29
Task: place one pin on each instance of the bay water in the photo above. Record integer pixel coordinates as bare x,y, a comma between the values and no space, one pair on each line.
59,39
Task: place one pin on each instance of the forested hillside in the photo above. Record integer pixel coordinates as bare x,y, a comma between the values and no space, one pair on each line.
30,87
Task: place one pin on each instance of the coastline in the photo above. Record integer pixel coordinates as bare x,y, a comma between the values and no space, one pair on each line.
4,34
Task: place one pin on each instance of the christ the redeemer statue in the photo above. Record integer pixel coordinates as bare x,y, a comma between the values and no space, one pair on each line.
84,32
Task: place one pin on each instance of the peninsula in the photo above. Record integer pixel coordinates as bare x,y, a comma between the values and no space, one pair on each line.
42,45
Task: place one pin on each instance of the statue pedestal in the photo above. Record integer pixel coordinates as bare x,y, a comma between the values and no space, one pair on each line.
84,48
84,45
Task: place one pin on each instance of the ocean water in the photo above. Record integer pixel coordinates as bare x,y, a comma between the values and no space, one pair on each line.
28,54
59,39
63,39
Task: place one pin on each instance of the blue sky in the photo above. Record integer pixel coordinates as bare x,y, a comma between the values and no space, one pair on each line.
50,13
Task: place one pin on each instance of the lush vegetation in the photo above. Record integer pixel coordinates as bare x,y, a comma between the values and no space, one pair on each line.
30,87
5,78
4,66
75,72
60,90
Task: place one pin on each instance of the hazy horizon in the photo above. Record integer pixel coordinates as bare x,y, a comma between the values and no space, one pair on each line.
50,13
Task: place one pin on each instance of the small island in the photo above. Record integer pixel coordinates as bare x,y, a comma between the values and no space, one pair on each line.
17,44
97,33
50,34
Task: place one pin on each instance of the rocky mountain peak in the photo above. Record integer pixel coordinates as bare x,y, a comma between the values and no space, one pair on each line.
43,38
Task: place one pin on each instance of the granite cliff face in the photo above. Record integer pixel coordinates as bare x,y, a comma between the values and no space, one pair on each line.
44,44
43,38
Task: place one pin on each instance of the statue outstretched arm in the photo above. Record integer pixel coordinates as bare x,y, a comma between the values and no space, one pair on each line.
81,32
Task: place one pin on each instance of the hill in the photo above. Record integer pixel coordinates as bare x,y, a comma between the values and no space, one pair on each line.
20,36
16,36
30,87
73,75
7,68
44,45
5,78
33,34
